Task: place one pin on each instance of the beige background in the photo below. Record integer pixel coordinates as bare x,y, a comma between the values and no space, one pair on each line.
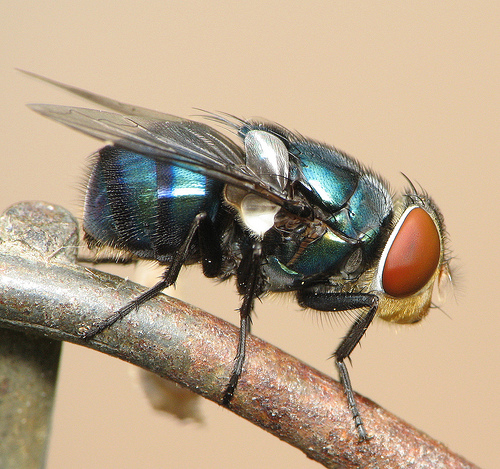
402,86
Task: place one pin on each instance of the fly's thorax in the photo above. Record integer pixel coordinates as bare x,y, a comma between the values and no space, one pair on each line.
412,260
302,251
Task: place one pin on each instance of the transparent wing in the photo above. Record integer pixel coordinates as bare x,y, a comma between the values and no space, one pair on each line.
117,106
173,140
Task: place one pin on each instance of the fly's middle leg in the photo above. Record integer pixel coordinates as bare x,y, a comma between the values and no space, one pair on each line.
249,276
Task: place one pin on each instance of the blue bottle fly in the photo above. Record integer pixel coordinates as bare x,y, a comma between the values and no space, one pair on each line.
280,212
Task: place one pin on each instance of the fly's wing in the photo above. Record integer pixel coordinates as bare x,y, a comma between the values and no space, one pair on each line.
117,106
161,136
189,144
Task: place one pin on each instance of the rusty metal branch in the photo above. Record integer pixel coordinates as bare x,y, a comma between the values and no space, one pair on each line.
43,292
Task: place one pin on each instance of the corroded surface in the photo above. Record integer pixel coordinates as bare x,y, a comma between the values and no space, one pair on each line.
42,293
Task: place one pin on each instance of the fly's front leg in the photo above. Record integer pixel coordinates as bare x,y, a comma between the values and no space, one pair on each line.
249,276
169,277
344,351
344,302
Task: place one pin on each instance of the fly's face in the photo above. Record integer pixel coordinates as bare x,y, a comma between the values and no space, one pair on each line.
412,261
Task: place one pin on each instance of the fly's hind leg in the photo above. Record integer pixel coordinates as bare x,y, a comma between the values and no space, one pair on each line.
249,277
203,226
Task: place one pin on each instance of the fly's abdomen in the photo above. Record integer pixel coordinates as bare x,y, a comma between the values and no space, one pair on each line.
142,206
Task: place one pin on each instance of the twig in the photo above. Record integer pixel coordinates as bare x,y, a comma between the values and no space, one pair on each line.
42,292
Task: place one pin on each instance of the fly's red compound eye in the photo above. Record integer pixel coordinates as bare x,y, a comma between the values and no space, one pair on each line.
413,257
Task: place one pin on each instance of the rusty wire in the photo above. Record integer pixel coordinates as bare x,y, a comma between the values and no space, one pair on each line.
44,292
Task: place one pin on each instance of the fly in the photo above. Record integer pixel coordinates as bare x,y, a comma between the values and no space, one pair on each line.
280,212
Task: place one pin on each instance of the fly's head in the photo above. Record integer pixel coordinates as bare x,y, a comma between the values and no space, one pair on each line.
413,260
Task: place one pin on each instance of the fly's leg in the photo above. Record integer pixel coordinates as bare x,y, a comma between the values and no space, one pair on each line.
343,351
203,226
249,284
345,302
105,260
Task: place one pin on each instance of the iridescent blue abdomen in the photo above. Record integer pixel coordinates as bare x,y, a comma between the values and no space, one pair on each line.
144,206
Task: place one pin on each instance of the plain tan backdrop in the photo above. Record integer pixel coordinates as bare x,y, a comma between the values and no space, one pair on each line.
404,87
